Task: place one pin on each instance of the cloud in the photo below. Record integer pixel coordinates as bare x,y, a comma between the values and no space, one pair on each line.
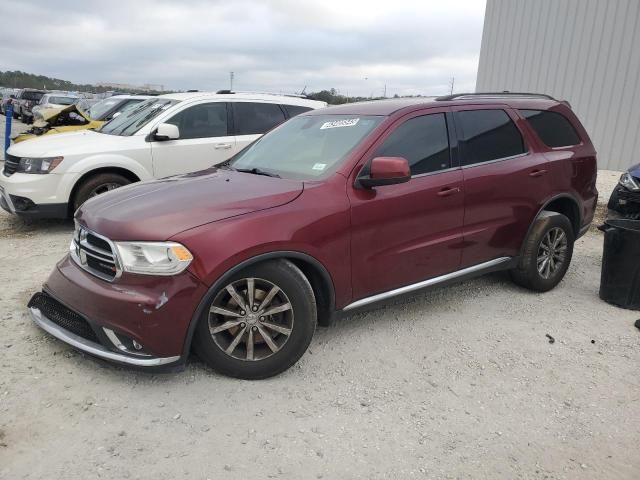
357,47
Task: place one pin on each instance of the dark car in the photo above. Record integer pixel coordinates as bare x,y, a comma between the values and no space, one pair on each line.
625,199
336,209
24,103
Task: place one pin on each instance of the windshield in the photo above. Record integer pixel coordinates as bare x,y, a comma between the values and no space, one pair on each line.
99,110
306,147
63,100
133,119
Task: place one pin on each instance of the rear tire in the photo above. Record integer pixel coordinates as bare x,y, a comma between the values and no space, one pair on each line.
96,185
241,339
547,253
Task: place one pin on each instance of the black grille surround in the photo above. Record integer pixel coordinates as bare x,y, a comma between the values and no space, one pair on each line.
11,163
63,316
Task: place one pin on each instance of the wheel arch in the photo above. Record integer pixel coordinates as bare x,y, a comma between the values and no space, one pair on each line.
564,204
318,276
97,171
567,206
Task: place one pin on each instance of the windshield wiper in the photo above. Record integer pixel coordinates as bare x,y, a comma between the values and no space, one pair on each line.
257,171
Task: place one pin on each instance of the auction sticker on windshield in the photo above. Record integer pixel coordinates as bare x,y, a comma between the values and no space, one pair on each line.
340,123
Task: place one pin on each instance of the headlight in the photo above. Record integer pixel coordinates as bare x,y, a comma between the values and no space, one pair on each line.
38,165
626,180
153,258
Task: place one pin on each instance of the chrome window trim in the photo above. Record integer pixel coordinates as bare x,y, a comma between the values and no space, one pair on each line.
426,283
429,174
93,348
503,159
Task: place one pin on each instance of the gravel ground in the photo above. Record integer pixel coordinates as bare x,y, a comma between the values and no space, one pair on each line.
458,383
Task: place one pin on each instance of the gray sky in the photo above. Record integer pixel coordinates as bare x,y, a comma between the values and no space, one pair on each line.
412,46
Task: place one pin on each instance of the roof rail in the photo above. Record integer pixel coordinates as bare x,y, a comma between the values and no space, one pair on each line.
506,93
227,92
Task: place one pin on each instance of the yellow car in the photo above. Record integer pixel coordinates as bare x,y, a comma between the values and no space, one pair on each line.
78,117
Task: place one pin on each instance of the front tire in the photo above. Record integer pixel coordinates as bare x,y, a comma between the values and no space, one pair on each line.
547,253
259,323
96,185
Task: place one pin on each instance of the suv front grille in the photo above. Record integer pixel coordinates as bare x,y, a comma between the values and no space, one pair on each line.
62,316
11,163
95,254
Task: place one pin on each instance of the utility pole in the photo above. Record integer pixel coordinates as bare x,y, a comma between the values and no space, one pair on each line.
385,90
453,80
231,81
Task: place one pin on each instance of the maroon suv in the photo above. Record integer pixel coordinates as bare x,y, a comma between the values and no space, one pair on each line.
334,210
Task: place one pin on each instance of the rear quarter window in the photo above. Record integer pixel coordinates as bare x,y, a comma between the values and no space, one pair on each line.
553,128
293,110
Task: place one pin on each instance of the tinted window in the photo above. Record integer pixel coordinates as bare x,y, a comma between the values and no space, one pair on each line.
293,110
202,121
552,128
423,141
252,118
488,135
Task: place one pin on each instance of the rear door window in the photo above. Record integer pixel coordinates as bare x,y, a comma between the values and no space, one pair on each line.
423,141
293,110
256,118
553,128
202,121
487,135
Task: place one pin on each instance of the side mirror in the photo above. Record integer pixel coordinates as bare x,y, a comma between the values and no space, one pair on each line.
166,131
387,171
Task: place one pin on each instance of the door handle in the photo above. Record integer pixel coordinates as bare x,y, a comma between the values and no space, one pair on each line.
537,173
222,146
447,192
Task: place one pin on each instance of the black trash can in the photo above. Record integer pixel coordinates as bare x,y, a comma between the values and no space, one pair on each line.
620,278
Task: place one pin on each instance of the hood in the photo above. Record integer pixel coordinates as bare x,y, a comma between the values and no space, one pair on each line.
80,142
635,171
49,115
157,210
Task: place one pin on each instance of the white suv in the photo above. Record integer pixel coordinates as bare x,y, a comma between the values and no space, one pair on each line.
52,176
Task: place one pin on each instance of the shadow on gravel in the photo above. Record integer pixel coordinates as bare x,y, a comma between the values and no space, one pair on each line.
11,227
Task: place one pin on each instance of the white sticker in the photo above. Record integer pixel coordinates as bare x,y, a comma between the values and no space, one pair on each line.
340,123
319,166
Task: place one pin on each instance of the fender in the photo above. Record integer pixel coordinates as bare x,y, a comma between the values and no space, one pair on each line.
542,209
86,165
246,263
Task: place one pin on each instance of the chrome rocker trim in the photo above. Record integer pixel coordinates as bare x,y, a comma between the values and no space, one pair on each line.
94,348
427,283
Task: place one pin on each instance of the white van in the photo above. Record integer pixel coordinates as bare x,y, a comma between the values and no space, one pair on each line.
52,176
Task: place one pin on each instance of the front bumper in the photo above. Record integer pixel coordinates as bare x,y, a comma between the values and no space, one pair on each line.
34,196
93,348
152,312
625,201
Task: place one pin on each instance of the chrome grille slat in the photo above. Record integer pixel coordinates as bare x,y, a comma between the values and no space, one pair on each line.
87,250
10,165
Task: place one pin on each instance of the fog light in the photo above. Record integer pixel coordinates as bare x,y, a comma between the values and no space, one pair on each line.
124,343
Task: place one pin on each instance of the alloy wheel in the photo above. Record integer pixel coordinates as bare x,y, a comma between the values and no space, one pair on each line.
251,319
552,252
103,188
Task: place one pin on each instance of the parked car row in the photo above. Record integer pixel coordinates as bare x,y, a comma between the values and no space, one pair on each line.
161,136
243,242
83,115
26,102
